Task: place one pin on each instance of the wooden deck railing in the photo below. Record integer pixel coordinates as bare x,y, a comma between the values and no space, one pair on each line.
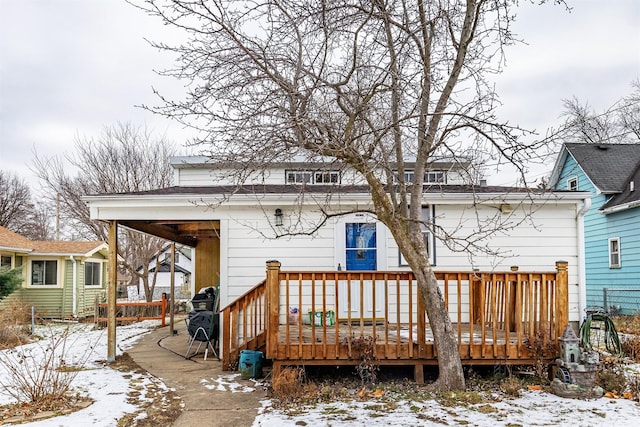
127,311
495,316
243,325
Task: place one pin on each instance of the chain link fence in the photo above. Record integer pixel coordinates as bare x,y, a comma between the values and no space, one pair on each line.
618,301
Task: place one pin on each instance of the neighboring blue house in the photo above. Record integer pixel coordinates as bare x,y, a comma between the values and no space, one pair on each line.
611,172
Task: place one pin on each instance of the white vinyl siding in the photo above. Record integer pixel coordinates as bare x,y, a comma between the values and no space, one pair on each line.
245,247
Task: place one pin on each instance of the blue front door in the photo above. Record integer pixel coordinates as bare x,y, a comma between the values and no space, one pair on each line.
361,246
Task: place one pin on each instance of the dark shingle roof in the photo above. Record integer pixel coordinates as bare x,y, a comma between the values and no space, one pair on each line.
627,196
313,189
608,166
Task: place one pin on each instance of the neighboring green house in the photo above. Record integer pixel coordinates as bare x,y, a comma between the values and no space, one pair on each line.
60,279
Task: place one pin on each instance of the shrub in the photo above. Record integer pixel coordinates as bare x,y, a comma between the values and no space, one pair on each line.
288,385
15,318
38,373
10,280
368,367
542,349
631,346
610,376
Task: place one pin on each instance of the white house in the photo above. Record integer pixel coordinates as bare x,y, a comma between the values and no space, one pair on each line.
234,230
161,262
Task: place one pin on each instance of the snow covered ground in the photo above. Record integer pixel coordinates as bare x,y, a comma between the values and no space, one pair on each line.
109,389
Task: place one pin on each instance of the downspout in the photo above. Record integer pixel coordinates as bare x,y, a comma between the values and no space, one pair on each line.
74,289
582,270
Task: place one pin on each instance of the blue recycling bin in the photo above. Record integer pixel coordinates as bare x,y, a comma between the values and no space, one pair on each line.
251,363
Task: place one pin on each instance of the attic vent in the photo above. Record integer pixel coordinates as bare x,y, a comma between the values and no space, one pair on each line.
603,147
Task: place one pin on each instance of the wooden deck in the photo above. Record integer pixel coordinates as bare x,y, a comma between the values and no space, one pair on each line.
495,316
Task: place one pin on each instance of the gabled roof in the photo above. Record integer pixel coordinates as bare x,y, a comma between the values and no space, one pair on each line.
86,248
14,242
165,267
18,243
608,166
628,198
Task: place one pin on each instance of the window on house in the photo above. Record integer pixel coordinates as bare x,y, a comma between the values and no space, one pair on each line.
167,257
331,177
5,262
429,177
572,184
435,177
44,273
426,235
311,177
92,273
614,252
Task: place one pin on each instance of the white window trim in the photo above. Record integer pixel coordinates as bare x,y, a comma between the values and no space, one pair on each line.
429,237
409,176
11,261
102,267
341,239
570,181
619,253
312,176
60,274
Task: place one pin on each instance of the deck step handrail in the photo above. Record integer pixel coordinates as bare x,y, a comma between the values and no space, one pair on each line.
243,325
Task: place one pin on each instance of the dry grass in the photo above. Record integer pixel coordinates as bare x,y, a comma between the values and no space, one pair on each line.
290,384
627,324
15,320
631,346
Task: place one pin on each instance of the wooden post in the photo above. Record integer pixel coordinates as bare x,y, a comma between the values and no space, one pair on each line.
562,297
477,299
111,291
511,299
163,309
273,307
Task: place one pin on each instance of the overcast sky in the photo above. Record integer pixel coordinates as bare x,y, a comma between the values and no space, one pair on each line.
70,67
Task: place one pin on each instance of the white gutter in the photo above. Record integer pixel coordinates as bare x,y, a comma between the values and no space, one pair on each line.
582,269
74,293
619,208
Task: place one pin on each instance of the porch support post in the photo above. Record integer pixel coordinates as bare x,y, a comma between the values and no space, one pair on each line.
172,289
562,297
111,291
273,307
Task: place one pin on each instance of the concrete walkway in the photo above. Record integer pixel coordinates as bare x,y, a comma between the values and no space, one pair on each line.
162,355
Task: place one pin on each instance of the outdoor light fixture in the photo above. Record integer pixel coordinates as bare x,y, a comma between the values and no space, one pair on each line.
506,208
278,216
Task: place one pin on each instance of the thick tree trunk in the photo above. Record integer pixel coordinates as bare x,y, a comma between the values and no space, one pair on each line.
450,376
408,235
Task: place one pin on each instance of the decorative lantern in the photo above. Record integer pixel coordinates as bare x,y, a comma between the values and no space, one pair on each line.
569,346
278,217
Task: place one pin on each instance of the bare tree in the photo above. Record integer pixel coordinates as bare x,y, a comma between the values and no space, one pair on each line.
365,84
620,123
123,158
18,212
15,201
